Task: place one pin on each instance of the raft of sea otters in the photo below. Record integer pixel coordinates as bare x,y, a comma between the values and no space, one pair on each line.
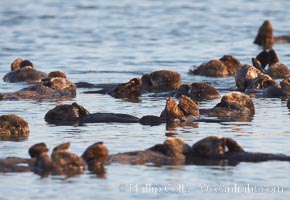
257,79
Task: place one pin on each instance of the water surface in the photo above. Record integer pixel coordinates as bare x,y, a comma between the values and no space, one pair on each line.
114,41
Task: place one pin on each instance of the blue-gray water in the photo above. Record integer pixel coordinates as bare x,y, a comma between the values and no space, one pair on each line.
114,41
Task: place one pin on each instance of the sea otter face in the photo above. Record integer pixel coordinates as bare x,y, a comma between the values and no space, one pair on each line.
62,85
212,147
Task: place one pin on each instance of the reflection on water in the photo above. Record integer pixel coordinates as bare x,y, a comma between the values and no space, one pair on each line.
114,41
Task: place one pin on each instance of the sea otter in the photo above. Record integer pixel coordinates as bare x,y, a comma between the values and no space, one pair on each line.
271,91
157,81
23,71
76,114
223,67
173,151
265,37
13,127
248,77
275,68
234,106
50,88
61,161
186,110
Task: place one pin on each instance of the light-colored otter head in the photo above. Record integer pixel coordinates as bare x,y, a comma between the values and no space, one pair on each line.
15,65
177,146
172,111
239,99
62,85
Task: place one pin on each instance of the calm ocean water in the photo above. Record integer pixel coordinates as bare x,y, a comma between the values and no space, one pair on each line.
114,41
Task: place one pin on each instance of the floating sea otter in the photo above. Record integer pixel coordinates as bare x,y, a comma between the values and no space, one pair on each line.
157,81
255,80
265,37
23,71
13,127
174,151
223,67
234,106
60,162
275,69
198,91
76,114
50,88
248,77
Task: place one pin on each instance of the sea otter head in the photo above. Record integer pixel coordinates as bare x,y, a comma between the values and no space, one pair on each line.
215,147
239,99
95,152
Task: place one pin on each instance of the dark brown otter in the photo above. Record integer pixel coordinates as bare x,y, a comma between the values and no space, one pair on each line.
162,80
265,37
75,114
13,127
215,148
157,81
271,90
223,67
23,71
203,91
275,69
